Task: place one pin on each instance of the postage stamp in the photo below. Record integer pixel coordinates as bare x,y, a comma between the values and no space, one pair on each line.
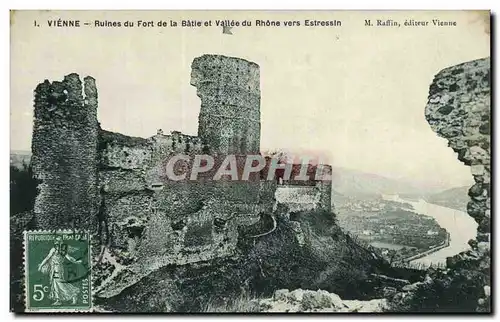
58,275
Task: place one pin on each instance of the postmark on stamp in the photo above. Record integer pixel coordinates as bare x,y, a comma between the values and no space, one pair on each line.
58,275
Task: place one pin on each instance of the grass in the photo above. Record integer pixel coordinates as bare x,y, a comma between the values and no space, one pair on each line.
456,289
342,263
244,303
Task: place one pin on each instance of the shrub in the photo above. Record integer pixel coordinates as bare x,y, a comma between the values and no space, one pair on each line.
23,189
244,303
458,290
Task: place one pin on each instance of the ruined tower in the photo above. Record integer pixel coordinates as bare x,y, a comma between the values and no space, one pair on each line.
229,89
64,147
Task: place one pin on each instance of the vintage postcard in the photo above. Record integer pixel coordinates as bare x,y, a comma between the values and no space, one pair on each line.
250,161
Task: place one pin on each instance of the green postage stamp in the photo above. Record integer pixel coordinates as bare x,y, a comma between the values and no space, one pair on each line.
58,272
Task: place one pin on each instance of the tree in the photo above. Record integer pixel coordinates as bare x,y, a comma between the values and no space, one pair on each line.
23,189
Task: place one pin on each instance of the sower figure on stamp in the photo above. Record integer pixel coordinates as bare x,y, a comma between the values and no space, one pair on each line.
60,289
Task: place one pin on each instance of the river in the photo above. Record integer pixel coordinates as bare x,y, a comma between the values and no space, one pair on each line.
458,224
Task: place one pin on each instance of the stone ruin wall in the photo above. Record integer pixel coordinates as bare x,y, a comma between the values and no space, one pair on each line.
115,181
306,196
153,223
458,110
229,90
303,198
64,148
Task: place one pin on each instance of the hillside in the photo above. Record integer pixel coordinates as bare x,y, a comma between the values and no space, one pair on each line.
20,159
301,250
359,184
456,198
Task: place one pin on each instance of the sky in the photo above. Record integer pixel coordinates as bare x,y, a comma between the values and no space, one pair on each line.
355,93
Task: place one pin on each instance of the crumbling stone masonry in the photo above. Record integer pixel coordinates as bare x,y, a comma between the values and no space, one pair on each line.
114,184
305,197
153,223
459,110
64,148
229,90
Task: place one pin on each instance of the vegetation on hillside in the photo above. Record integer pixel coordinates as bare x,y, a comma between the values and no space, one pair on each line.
455,198
23,189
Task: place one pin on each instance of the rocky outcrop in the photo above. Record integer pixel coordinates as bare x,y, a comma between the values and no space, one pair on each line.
308,250
309,301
